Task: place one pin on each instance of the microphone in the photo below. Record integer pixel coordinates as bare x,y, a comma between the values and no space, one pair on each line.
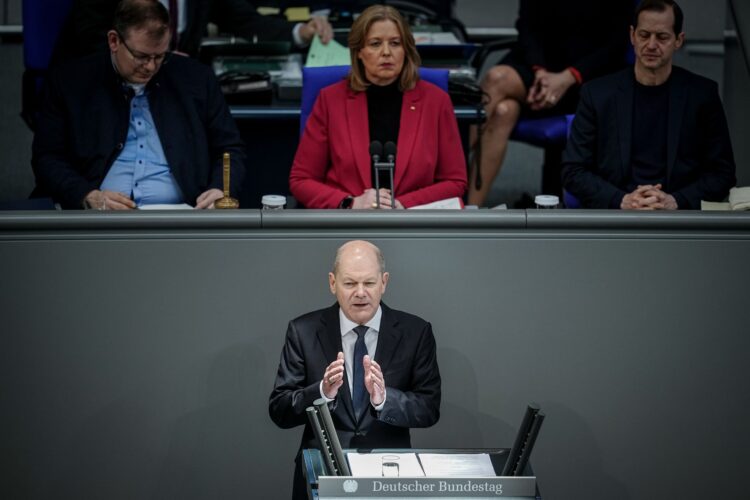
376,151
390,155
383,168
390,152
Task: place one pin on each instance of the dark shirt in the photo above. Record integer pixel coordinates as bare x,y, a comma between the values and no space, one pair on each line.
649,146
384,118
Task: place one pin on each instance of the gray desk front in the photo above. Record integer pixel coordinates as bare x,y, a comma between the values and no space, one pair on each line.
139,350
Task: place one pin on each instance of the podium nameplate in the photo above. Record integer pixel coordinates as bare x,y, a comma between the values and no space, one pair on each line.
335,487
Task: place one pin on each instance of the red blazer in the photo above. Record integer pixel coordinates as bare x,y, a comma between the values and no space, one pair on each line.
333,160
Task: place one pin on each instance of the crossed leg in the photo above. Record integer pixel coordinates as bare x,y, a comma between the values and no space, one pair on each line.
507,92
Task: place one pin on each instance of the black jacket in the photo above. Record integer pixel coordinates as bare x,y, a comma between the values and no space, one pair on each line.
596,166
406,353
84,119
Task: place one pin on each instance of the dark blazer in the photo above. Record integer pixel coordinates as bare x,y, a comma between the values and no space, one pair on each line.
596,165
406,354
333,161
89,20
83,125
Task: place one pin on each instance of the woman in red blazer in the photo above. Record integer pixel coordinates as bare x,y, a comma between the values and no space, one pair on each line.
382,99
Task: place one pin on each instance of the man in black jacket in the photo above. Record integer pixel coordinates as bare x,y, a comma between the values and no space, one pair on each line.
135,126
652,137
377,367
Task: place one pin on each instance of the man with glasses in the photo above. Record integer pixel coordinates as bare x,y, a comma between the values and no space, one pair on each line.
135,126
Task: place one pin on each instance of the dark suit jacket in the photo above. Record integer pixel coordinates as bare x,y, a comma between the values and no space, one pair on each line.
89,20
700,164
84,120
333,161
406,354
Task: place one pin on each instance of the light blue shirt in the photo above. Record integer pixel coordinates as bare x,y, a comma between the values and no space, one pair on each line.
141,170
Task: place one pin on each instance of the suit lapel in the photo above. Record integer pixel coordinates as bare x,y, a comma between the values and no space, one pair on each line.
625,121
389,337
411,113
677,100
359,133
329,336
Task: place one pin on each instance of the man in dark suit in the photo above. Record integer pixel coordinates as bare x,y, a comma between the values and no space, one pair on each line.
134,126
376,366
653,137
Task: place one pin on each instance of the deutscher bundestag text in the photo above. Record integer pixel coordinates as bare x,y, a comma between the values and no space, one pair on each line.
466,486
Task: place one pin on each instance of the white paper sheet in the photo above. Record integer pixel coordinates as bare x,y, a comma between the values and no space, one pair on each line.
164,206
371,464
435,38
447,204
456,464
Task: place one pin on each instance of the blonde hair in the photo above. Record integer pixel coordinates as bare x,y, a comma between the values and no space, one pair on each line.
358,37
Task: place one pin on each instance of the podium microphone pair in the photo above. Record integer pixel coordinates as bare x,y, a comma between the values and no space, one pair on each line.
376,152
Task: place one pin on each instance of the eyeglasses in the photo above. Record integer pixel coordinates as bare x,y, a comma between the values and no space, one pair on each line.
142,59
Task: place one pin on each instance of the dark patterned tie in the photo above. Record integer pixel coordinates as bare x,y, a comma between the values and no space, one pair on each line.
174,21
358,385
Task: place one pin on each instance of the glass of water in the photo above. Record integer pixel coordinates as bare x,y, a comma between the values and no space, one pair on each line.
390,465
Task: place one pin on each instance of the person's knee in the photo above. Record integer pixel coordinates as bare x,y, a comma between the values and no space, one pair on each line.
506,112
496,79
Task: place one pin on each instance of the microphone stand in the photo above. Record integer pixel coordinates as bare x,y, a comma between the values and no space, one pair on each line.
388,166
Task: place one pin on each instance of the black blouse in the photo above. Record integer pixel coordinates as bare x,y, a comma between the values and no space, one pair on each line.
384,116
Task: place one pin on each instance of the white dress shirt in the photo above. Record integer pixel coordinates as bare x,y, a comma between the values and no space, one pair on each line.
349,338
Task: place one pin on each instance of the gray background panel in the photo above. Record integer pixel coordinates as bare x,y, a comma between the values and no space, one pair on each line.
142,368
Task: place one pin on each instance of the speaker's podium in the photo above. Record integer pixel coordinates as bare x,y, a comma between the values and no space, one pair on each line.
321,485
333,473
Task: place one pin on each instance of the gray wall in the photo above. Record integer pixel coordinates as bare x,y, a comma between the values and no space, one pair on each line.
138,353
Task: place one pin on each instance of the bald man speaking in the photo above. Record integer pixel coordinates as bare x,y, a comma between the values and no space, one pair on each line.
375,366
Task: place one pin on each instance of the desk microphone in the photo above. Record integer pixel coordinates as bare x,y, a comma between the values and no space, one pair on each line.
376,151
379,166
390,164
390,152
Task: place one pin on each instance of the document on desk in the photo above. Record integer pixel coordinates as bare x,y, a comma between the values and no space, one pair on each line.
437,38
297,14
165,206
330,54
456,464
371,464
447,204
